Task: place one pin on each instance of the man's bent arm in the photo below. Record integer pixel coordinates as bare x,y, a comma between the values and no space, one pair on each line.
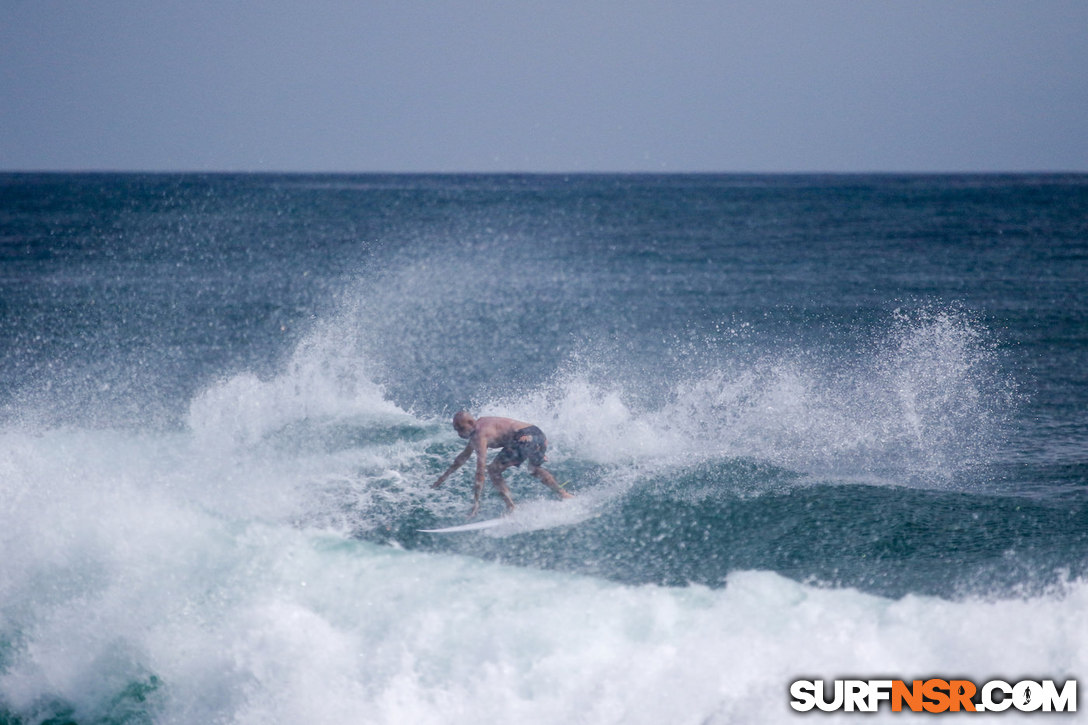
457,463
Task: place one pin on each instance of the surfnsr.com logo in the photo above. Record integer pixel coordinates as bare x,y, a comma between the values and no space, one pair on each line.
933,695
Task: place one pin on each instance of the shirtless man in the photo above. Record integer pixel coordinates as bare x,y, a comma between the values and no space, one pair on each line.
519,442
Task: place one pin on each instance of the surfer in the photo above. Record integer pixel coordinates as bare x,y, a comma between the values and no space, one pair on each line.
519,442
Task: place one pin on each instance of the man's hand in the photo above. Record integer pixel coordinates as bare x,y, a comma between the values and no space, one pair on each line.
461,458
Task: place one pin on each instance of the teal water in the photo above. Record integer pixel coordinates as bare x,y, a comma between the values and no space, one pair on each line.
853,401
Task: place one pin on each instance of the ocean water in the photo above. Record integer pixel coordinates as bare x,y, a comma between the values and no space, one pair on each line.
817,427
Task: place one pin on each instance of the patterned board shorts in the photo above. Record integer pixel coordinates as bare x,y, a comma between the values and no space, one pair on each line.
532,449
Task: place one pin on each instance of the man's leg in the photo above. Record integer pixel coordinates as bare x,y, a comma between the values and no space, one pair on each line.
494,470
548,480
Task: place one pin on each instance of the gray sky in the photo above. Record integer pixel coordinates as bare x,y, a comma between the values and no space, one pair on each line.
526,85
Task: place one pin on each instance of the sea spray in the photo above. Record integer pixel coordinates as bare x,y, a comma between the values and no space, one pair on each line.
919,404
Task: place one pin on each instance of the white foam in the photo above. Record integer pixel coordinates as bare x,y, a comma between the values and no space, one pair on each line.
326,377
127,556
258,622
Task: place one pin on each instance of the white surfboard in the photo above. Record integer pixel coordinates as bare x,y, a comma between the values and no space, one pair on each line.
474,526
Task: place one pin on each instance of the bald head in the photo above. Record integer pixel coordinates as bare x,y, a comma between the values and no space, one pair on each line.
464,423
